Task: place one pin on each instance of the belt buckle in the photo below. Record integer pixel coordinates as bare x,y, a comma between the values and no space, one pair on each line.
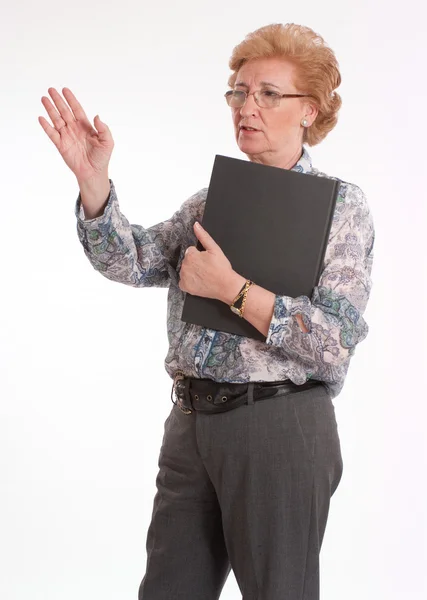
179,375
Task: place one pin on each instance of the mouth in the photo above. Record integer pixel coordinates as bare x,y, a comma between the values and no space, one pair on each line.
249,130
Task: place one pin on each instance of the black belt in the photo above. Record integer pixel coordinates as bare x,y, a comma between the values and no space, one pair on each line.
208,396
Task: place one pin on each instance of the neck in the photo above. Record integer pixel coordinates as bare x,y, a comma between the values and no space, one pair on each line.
285,161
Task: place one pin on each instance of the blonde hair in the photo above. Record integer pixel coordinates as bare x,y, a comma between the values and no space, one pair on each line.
316,69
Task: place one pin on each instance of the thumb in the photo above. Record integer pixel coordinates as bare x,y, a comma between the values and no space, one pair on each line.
102,129
104,133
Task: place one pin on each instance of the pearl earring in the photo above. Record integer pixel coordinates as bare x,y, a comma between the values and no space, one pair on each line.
304,122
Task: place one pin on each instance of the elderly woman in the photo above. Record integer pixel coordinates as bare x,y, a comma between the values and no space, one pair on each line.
251,454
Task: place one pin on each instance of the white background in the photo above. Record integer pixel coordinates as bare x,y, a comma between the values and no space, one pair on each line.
84,393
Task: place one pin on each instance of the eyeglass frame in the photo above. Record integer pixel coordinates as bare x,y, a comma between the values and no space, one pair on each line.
256,92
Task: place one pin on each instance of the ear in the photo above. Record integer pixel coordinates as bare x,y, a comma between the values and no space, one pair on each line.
310,111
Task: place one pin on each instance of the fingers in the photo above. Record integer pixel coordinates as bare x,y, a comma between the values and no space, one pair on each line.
76,107
57,118
51,131
63,114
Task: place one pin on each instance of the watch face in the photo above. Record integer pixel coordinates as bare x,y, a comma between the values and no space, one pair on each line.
235,310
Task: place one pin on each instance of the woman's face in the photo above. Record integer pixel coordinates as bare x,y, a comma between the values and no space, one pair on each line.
279,132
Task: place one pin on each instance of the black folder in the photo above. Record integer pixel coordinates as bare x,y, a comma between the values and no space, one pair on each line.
273,225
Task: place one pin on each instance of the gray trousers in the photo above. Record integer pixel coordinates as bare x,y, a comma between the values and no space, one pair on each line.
248,489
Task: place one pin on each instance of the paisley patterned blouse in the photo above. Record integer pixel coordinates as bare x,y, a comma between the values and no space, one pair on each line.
145,257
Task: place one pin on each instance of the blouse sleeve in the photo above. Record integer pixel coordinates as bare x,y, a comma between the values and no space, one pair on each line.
334,314
132,254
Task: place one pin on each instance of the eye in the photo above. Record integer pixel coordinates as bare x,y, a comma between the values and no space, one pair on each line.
270,94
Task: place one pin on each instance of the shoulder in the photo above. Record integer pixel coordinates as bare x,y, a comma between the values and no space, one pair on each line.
194,205
352,207
350,192
195,200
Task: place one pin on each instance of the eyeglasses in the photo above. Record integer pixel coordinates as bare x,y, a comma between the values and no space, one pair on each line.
264,98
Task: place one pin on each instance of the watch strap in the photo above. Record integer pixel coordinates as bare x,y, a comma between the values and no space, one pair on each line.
241,296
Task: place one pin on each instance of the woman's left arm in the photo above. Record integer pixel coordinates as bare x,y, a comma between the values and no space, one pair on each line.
327,328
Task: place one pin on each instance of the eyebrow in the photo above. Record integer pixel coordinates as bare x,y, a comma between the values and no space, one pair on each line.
241,84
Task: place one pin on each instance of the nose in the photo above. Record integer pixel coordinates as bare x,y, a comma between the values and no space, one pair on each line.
250,106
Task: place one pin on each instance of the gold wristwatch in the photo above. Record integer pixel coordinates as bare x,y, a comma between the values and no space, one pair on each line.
241,299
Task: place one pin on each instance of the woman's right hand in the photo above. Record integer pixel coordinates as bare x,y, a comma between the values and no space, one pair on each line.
85,150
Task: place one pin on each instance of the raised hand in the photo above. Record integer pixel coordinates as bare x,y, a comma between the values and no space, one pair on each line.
85,150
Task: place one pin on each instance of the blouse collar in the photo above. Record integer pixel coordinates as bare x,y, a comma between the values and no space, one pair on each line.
304,164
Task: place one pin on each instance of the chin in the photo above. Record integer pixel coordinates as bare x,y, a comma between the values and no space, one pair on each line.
249,147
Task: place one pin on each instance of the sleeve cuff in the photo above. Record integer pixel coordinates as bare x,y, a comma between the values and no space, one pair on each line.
79,210
285,308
